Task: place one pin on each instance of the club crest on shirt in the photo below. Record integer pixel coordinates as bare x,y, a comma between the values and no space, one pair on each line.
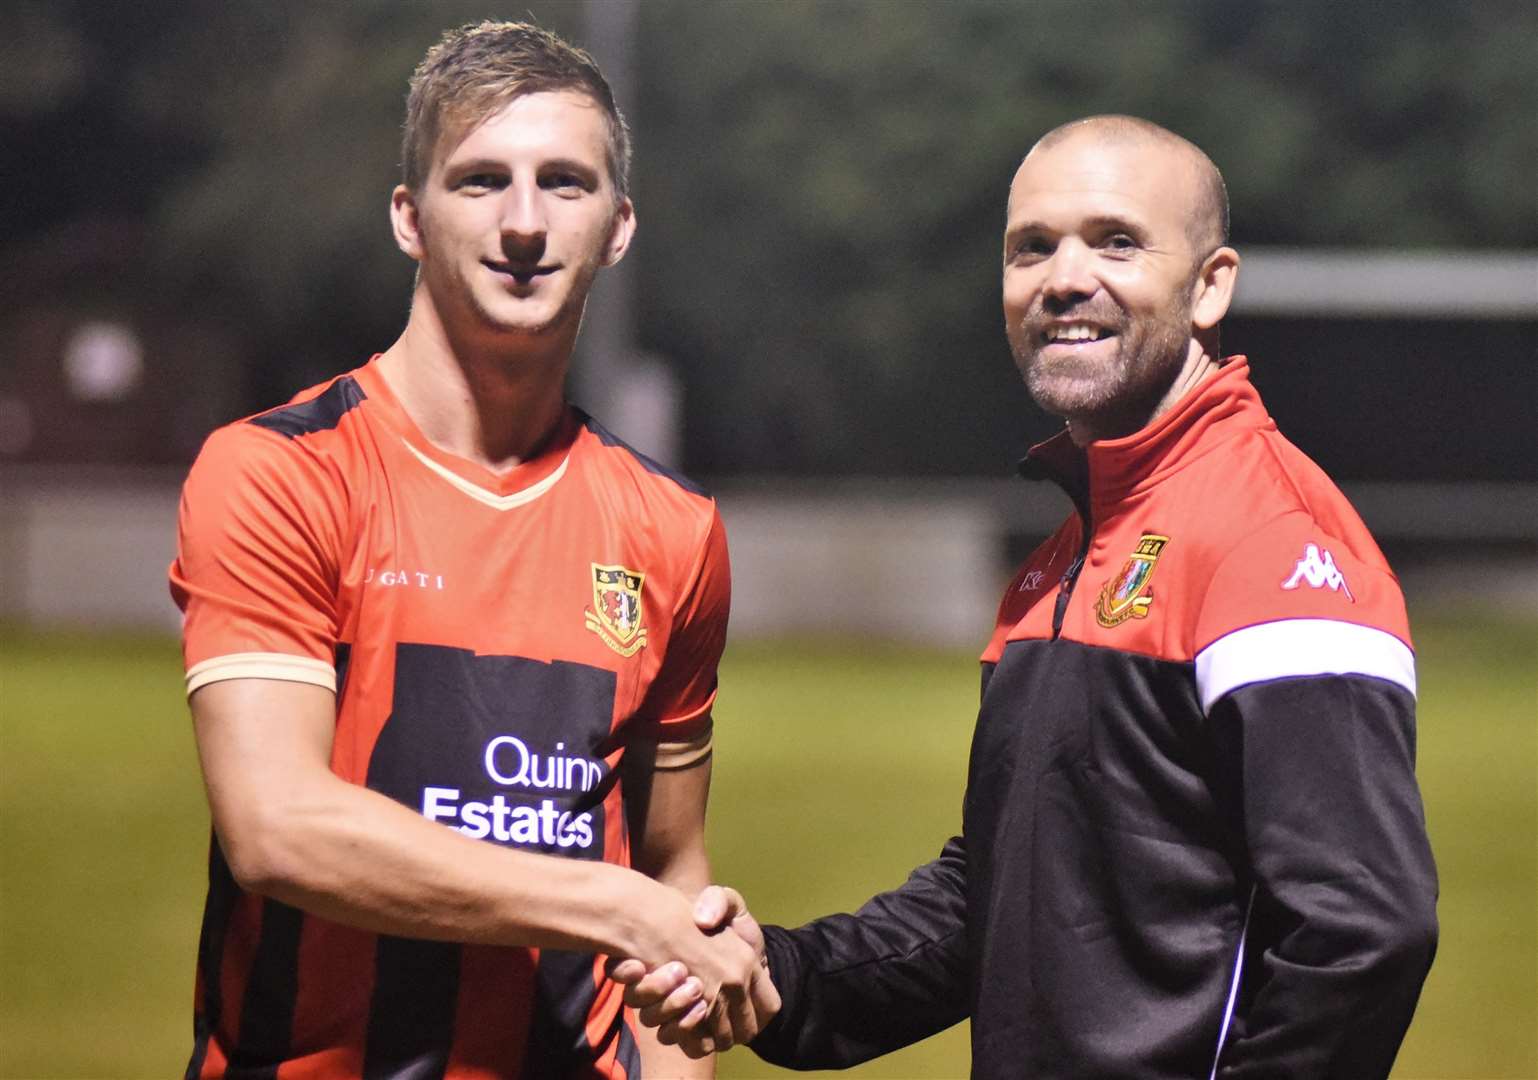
1126,596
616,613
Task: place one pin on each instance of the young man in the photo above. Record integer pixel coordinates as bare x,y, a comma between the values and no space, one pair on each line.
1193,843
451,647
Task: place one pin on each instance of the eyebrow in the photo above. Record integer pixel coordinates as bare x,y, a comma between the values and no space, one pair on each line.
1024,227
1117,223
473,165
470,166
572,165
1098,223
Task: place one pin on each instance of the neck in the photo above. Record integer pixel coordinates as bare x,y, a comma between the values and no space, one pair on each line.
489,398
1119,423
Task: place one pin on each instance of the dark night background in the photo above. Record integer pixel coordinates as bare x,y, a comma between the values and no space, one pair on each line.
820,189
194,226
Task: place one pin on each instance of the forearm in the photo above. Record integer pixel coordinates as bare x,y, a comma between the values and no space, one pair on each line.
359,858
856,986
1345,909
292,830
668,834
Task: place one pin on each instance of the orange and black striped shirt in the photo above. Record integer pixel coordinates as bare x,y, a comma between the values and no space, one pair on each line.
495,642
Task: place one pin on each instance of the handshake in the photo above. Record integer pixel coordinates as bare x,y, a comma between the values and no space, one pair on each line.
714,999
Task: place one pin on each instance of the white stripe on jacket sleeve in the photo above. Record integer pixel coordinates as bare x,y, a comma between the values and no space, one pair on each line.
1293,647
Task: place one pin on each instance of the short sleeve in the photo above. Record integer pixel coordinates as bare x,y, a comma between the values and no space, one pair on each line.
676,710
257,561
1291,600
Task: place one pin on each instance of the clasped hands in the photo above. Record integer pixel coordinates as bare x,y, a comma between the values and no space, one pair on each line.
727,999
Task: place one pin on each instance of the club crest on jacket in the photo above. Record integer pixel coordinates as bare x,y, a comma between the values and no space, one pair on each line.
1127,596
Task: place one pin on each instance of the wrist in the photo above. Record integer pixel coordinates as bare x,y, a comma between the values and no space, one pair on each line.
569,904
625,903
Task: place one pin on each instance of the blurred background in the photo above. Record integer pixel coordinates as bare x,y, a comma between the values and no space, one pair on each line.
193,226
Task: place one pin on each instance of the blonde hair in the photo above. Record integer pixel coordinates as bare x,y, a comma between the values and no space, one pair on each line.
478,68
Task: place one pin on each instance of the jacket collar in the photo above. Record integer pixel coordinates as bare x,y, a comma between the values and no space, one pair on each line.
1220,407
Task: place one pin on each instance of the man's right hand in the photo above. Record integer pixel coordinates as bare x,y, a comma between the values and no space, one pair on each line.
672,998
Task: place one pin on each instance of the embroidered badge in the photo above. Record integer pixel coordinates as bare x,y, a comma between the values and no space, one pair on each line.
616,614
1126,596
1319,571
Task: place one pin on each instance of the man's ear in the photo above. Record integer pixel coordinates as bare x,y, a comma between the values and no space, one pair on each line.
621,230
1214,288
406,222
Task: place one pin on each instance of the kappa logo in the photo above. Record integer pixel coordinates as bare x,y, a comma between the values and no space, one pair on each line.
1317,568
616,614
1127,595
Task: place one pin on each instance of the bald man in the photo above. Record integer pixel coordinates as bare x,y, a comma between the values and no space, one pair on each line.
1193,843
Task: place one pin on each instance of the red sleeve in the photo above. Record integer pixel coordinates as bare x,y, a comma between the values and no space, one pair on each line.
677,706
1291,600
257,561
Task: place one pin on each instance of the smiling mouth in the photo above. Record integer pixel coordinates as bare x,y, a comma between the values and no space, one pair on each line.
1074,333
522,273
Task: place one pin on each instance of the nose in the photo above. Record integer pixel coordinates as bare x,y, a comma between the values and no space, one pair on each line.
523,222
1069,274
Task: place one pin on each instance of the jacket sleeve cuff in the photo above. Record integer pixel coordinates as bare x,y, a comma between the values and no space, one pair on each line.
776,1042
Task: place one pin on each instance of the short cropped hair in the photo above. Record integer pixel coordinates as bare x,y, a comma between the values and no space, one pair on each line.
1208,225
478,68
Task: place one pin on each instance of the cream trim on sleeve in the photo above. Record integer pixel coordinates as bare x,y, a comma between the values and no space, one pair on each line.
284,667
680,755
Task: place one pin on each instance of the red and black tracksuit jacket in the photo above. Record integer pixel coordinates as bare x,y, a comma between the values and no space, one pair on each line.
1193,843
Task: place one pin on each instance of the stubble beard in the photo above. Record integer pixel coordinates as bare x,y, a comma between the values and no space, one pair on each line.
1116,393
483,311
500,315
501,322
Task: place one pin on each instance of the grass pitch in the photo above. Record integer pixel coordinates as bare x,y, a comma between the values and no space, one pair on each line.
840,767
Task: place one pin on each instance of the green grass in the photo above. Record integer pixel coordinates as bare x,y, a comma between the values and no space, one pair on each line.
103,855
1478,765
839,768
